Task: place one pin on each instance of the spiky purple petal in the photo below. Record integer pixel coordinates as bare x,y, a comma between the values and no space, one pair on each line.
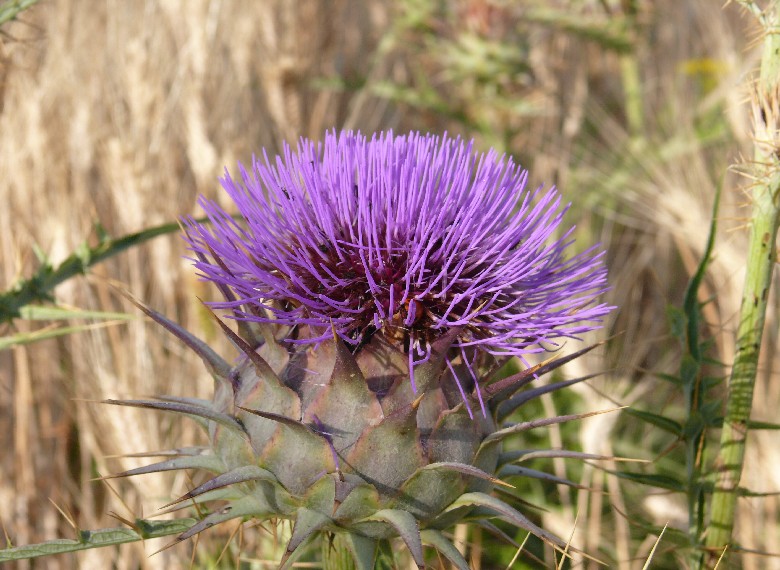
404,236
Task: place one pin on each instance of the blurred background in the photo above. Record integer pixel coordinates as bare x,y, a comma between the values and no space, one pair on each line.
115,116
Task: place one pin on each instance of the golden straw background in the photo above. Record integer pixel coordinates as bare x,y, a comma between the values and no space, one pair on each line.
124,112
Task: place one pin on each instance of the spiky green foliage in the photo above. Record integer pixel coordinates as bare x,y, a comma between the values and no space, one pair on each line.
141,529
38,288
339,443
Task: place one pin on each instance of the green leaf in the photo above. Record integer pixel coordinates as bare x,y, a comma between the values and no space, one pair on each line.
657,420
610,33
689,371
145,529
11,9
712,413
56,313
31,337
752,424
671,378
652,480
691,301
39,286
743,492
694,426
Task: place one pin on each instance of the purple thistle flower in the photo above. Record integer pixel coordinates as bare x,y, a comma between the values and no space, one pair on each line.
407,237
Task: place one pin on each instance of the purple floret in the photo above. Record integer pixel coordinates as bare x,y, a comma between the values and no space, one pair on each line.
403,236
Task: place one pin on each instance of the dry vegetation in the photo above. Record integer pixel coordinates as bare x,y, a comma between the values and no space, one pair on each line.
124,112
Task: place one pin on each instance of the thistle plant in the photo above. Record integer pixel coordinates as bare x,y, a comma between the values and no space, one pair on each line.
761,261
378,286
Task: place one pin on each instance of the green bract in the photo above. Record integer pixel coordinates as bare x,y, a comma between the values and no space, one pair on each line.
340,443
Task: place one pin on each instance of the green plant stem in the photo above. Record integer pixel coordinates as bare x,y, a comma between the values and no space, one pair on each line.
694,389
139,530
632,86
336,554
632,81
760,265
11,9
761,260
38,287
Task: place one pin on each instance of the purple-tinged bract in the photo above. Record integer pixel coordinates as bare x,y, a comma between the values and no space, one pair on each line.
406,237
387,280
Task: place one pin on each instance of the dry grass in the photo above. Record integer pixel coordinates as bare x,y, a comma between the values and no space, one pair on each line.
124,112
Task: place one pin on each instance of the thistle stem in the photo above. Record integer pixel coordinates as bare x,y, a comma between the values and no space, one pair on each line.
632,81
760,264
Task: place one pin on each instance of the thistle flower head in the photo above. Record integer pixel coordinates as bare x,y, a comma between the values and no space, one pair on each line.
376,260
408,237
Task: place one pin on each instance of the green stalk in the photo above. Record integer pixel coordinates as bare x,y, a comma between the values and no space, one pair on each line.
632,86
336,554
694,389
632,81
760,265
140,529
11,9
38,287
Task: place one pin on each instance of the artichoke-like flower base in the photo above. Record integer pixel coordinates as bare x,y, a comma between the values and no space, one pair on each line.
340,443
